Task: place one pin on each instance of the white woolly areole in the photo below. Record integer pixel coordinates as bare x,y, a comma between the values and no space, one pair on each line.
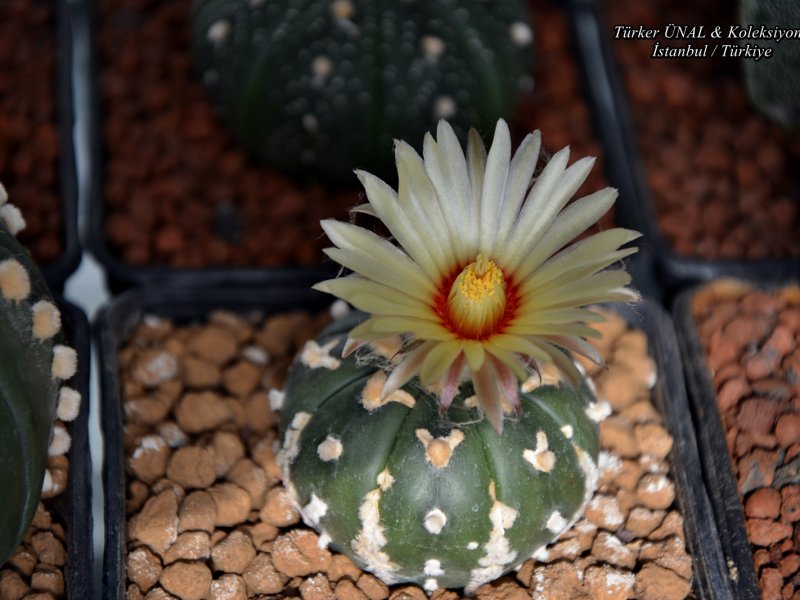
59,442
430,585
324,540
472,546
541,458
373,390
370,539
385,479
47,484
435,521
314,510
497,551
65,362
556,522
521,34
339,309
69,404
439,451
219,32
433,568
291,443
567,431
12,218
315,356
548,374
276,398
15,284
329,449
46,320
597,411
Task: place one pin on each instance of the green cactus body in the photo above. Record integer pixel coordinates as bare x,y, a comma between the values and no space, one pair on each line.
413,495
325,86
774,83
32,363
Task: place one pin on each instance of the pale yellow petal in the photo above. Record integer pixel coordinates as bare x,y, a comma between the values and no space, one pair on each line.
417,198
508,358
542,329
375,298
600,287
540,217
520,345
474,353
407,368
438,360
485,383
385,202
424,330
520,174
476,167
494,187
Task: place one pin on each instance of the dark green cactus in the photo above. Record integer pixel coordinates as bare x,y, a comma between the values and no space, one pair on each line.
774,83
33,363
414,495
325,86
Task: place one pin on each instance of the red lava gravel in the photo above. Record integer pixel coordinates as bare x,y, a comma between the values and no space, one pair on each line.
179,192
752,344
28,128
208,516
722,176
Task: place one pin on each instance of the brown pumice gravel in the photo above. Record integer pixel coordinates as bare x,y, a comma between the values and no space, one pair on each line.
29,152
721,175
238,535
738,326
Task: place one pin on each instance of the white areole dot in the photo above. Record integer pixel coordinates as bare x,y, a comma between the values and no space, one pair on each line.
330,448
430,585
433,568
472,546
521,34
597,411
315,510
556,523
567,431
219,32
444,107
435,521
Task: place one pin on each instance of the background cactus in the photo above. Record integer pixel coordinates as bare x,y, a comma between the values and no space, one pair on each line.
415,495
774,84
33,363
325,86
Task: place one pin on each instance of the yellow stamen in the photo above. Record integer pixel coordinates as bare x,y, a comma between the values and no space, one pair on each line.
477,299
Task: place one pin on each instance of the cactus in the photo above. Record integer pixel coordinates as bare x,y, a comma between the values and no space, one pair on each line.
394,443
324,86
33,364
413,496
774,83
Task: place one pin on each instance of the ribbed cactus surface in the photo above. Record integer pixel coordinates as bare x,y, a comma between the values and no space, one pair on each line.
33,363
414,495
325,86
774,83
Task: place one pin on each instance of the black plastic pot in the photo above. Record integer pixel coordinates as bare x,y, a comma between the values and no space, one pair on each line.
59,269
117,320
717,464
612,115
75,504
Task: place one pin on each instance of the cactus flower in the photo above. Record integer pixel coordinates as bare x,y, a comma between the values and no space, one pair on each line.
480,281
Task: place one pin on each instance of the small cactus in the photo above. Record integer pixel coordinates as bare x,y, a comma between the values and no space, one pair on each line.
774,83
34,362
394,443
325,86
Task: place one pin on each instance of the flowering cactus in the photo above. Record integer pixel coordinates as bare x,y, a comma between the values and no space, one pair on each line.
324,86
394,443
33,364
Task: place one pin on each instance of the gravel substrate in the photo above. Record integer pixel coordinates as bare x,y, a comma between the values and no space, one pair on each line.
209,518
721,175
751,339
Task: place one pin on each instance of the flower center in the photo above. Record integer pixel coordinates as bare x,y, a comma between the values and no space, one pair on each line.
477,300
